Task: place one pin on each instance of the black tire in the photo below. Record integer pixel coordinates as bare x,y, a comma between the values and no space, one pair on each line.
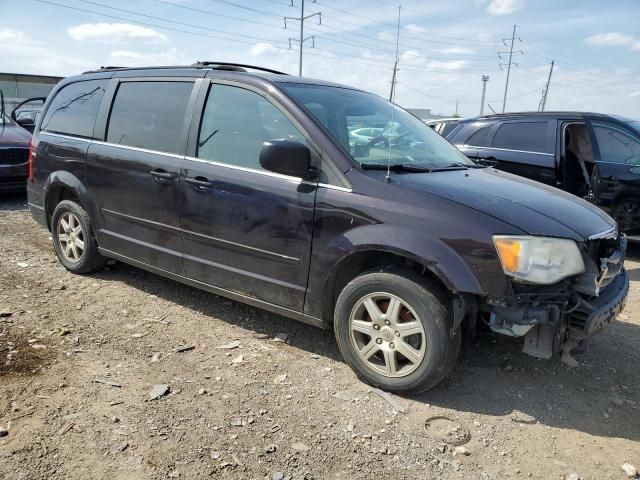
627,213
428,302
89,260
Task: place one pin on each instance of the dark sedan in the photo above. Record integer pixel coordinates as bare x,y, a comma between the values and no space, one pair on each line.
14,156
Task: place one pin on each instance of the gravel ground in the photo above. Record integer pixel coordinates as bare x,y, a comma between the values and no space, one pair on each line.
80,357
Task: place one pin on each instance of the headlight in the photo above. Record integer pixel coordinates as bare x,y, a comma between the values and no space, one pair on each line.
538,259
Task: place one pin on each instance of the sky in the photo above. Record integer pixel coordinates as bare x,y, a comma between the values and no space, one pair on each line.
445,46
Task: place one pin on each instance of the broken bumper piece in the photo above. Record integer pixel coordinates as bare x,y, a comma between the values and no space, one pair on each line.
551,323
591,316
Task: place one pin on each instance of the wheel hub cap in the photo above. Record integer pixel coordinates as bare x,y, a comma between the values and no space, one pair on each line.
70,237
387,335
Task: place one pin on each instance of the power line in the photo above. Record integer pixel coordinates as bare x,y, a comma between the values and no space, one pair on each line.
155,25
162,19
475,102
364,17
255,10
545,93
506,83
209,12
302,39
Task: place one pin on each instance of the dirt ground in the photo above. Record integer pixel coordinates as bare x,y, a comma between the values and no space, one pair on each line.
79,356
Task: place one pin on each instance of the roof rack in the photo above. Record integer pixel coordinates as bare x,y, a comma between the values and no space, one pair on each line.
235,67
239,67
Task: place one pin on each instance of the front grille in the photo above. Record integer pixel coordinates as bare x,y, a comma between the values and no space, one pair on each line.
14,156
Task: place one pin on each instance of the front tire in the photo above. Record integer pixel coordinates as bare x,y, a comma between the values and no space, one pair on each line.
392,328
627,213
73,239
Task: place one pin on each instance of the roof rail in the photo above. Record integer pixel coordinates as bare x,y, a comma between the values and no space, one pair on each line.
234,66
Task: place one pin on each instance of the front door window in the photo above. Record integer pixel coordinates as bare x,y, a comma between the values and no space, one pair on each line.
617,146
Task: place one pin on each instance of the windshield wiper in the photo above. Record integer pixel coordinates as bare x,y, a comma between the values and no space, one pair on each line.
397,167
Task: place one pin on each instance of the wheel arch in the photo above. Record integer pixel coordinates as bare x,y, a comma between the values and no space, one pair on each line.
370,258
62,185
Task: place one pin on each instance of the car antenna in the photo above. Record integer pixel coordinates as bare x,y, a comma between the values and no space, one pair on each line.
394,80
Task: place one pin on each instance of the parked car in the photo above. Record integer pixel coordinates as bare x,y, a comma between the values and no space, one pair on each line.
591,155
14,154
444,126
26,114
364,135
244,183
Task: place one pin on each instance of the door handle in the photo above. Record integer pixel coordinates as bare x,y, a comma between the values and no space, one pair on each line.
199,183
160,175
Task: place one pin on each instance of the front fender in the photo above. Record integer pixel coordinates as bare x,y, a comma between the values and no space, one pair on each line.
434,254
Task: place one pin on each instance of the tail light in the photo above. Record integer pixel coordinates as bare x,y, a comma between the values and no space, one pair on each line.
31,158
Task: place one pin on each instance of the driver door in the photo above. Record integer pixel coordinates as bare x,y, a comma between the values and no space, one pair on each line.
27,122
245,229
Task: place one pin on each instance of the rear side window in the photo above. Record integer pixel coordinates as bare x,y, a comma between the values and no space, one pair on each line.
236,122
150,115
478,137
530,136
74,109
448,128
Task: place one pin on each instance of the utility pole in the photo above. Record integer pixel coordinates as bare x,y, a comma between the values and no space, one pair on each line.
543,102
506,84
301,40
485,79
395,64
456,114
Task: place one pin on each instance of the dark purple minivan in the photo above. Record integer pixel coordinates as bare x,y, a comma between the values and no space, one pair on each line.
250,184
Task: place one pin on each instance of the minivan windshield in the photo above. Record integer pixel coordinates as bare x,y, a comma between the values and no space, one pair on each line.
635,124
373,131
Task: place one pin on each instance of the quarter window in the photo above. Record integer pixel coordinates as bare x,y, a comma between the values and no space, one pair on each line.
74,109
150,115
530,136
617,146
236,122
477,138
448,128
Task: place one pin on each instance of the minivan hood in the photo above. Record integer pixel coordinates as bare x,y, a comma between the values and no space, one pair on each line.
532,207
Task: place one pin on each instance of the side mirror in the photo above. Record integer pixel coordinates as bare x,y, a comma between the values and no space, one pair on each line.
288,158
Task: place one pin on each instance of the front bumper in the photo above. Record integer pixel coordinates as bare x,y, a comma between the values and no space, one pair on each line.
591,316
549,320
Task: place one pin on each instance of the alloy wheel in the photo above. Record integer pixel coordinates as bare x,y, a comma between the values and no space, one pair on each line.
387,334
70,237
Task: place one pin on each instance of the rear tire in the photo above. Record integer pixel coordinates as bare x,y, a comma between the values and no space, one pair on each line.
73,239
627,213
392,328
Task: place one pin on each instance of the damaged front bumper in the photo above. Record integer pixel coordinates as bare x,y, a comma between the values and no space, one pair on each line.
558,317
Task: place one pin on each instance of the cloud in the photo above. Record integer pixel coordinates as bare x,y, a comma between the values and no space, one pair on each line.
504,7
134,59
614,39
116,33
412,27
16,37
262,48
635,94
457,50
23,54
